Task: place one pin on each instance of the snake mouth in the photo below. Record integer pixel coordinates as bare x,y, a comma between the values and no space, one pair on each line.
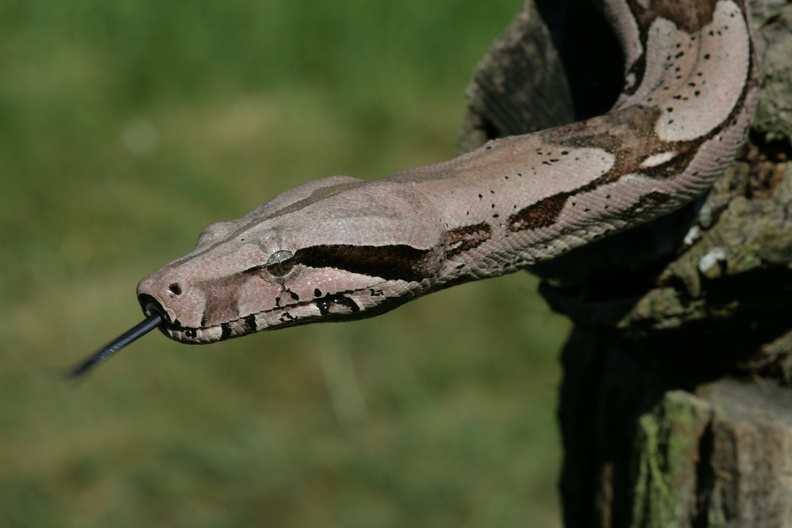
340,306
151,306
173,328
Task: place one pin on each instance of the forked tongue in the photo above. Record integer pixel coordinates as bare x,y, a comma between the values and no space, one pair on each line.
139,330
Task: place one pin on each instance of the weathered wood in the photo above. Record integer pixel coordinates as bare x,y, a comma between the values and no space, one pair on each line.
675,408
719,458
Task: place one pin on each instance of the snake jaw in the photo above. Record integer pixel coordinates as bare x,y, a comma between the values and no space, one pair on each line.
345,305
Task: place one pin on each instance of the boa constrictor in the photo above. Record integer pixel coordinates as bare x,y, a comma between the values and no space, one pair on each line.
343,248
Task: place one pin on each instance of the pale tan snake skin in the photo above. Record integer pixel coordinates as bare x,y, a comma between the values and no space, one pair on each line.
343,248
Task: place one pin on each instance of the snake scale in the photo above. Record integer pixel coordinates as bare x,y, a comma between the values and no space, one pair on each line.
343,248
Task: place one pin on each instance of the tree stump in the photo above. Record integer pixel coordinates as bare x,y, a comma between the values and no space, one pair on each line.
675,408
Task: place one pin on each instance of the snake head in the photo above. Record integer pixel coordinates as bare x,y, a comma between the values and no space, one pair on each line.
333,249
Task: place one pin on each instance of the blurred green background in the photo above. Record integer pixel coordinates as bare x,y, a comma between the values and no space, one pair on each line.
126,127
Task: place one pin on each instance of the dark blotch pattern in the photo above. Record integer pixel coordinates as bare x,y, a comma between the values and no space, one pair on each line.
397,262
689,15
651,200
327,303
465,238
543,213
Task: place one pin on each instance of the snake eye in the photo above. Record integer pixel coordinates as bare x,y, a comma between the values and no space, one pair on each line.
280,263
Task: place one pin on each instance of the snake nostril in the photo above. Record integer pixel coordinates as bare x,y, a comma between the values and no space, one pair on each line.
175,289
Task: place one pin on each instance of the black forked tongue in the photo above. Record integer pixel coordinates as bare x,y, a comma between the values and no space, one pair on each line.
139,330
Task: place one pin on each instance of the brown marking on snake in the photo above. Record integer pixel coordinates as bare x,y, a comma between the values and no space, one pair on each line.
397,262
630,135
688,15
543,213
468,237
322,193
221,299
652,199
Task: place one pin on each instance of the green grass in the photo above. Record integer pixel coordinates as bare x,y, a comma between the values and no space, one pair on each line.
128,126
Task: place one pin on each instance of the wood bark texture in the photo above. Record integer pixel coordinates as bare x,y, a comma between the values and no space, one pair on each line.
676,406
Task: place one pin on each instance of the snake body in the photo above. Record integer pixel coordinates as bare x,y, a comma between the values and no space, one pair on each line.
343,248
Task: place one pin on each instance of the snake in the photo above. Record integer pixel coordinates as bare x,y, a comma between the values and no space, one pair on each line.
342,248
